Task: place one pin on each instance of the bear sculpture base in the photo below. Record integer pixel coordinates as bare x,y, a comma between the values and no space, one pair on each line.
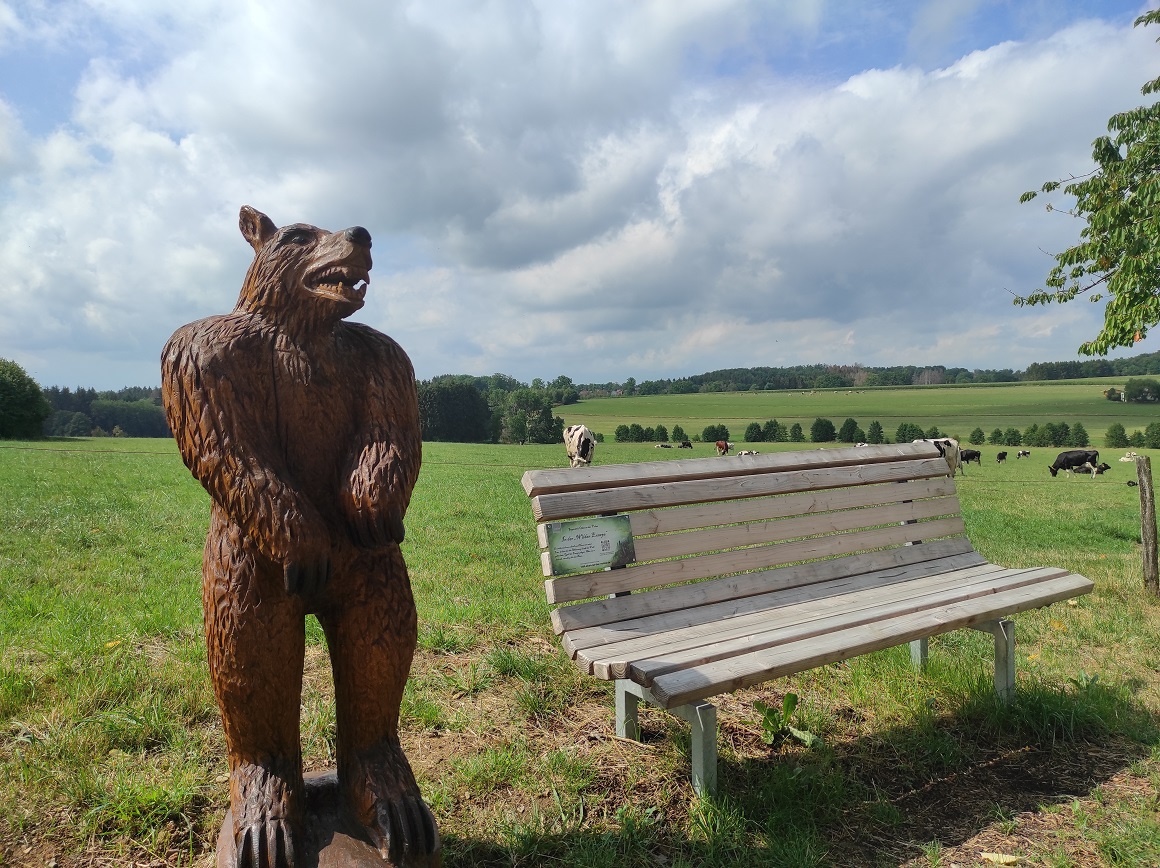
330,839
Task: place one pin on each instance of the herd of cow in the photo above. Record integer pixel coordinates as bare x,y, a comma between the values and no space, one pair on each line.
580,444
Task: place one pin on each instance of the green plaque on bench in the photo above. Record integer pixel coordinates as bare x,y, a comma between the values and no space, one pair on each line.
590,544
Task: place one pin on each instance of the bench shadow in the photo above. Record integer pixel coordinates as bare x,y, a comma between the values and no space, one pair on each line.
871,800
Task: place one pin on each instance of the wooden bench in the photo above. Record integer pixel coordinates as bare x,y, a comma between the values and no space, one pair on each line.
762,566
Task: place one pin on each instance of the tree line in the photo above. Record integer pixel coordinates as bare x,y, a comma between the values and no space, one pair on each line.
860,376
501,409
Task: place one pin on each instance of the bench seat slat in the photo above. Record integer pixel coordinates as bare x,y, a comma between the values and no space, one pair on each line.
678,688
557,480
699,645
946,554
633,578
766,532
625,637
551,507
680,518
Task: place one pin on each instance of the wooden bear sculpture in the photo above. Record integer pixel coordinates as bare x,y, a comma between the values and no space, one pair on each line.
304,429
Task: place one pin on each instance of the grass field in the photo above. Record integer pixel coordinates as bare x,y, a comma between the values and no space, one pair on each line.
956,410
111,751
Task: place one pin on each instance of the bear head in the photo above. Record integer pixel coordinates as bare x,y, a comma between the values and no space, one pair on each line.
303,278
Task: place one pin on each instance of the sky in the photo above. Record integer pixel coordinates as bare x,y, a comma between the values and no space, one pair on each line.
596,189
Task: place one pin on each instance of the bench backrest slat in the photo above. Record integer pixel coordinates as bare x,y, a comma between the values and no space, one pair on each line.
555,481
650,521
573,504
636,577
730,536
954,553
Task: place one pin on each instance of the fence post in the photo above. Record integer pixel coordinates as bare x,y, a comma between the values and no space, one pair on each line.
1148,524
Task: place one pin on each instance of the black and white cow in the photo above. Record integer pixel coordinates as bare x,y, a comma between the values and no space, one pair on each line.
1001,457
1023,453
1086,460
685,444
969,455
580,443
948,448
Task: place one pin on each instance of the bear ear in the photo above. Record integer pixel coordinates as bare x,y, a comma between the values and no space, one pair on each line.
256,227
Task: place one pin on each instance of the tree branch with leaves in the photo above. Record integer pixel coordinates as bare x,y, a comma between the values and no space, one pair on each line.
1118,256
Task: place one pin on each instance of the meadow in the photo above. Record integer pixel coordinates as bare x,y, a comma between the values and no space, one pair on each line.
957,410
110,744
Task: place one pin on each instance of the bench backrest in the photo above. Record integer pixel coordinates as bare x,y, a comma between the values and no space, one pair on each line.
729,527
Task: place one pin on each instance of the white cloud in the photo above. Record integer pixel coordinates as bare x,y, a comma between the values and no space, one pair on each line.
628,181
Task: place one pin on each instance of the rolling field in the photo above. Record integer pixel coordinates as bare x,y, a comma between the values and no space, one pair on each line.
955,410
110,744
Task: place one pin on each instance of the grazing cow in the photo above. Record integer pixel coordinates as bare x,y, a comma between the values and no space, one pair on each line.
663,446
1022,453
948,448
580,443
685,444
1001,457
969,455
1132,483
723,447
1086,460
747,452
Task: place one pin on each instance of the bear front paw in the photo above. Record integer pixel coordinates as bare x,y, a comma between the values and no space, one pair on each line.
306,576
374,529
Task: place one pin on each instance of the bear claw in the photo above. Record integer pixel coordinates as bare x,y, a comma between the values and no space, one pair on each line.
265,845
404,832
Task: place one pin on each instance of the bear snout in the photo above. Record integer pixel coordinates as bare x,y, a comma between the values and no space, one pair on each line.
358,235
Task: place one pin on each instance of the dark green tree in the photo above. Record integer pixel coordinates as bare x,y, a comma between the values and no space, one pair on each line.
713,433
774,432
661,434
977,437
848,433
636,432
1116,436
796,435
753,433
996,438
622,434
679,434
874,433
907,432
23,407
1118,255
1141,391
1078,436
1152,435
1012,437
822,431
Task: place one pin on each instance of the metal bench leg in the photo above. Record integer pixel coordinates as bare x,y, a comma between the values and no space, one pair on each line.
702,719
1004,633
919,653
627,725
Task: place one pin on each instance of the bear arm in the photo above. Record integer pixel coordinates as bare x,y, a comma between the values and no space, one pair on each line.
385,469
211,432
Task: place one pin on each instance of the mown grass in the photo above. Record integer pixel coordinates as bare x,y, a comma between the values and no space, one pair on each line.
957,410
110,747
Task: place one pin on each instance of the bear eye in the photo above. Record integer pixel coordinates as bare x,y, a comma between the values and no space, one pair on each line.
298,236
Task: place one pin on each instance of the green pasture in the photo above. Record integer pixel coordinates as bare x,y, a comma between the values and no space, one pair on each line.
111,751
956,410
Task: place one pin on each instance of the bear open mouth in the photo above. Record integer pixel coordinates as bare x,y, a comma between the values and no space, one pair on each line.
341,284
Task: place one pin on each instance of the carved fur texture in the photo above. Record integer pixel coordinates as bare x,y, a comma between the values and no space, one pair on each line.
304,429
